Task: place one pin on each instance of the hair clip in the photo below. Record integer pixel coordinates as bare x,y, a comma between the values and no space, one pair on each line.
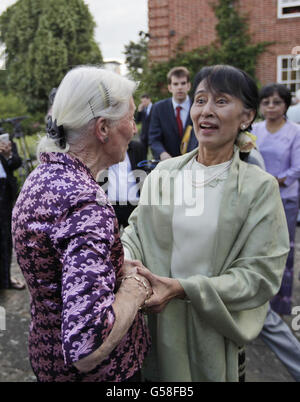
92,110
56,133
105,95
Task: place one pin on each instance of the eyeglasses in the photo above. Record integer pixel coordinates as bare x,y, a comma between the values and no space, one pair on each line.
274,103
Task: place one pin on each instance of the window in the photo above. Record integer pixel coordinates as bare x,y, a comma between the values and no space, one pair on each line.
288,8
287,74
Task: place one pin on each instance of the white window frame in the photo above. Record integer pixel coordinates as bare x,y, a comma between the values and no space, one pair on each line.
281,4
289,71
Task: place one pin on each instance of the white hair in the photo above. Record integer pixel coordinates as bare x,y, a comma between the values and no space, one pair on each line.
85,93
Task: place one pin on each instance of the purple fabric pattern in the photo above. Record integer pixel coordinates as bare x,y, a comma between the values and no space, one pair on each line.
67,242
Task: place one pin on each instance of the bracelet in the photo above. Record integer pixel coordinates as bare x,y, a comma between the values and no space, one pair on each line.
140,281
137,279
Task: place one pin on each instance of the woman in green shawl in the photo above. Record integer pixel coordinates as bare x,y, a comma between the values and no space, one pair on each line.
212,233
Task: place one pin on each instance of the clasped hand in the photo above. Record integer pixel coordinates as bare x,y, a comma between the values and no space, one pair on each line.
138,283
163,289
281,181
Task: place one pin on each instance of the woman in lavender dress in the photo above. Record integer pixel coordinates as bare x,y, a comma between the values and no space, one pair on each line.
86,324
278,140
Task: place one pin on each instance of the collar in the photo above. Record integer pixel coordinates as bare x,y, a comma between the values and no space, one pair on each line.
185,105
180,161
65,159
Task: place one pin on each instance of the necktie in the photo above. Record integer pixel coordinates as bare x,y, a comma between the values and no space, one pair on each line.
179,122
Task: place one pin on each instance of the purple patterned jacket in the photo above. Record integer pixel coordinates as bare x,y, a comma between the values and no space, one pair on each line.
67,243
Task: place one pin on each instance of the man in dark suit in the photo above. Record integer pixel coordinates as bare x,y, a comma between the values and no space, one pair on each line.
143,116
9,161
122,185
170,132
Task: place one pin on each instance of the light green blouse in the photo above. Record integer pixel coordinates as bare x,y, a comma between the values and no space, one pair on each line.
197,339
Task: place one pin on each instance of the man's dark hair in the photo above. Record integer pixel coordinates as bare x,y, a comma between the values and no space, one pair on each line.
178,72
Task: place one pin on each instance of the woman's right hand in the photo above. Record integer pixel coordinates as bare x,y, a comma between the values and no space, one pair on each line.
137,286
163,290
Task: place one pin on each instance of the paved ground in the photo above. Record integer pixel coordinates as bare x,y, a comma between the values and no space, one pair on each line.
262,364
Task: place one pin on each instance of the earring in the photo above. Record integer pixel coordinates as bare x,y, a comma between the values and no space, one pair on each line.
243,126
105,140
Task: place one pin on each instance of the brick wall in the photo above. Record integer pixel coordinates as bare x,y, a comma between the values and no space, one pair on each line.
265,26
174,21
193,22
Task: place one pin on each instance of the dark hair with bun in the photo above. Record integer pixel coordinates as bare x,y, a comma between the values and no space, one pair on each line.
230,80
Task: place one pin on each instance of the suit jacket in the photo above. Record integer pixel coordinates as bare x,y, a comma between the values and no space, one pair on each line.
163,130
135,153
9,166
142,117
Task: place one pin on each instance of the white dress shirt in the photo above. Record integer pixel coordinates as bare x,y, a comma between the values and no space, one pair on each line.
122,185
185,109
3,174
148,109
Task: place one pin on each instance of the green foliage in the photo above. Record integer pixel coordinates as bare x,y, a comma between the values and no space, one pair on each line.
3,81
155,77
10,106
233,46
27,150
234,41
43,40
136,56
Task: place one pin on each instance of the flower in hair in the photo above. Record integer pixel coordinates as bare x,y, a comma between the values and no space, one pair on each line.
246,141
56,133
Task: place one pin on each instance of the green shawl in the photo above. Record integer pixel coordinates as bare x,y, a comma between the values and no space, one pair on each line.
197,339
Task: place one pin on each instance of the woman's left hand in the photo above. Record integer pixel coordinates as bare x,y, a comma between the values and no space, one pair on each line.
164,290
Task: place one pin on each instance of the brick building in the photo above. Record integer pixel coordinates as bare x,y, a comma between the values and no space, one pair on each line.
171,21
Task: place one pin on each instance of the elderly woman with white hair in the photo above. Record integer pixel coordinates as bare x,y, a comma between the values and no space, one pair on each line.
86,324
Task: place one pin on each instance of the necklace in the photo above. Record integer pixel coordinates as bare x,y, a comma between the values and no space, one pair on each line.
213,177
